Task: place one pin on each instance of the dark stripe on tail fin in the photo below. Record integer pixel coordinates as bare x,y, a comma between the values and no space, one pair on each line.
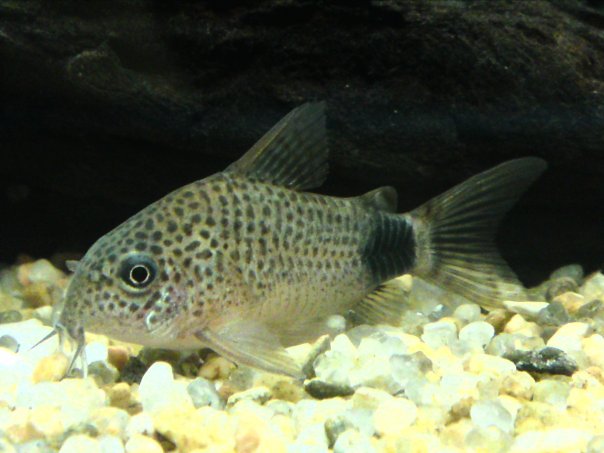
390,250
455,233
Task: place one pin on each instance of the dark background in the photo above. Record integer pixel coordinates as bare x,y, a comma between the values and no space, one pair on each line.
108,105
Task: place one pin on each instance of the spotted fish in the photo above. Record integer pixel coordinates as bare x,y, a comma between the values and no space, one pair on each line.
246,262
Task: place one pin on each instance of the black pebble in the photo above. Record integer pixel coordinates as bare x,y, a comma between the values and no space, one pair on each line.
547,360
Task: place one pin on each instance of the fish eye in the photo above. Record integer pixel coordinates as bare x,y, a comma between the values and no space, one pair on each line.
138,271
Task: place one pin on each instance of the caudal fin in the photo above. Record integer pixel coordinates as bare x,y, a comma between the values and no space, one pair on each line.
455,233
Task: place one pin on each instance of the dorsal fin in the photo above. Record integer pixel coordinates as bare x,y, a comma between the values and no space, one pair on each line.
382,199
292,154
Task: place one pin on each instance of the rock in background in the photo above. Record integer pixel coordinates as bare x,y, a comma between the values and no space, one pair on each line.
108,105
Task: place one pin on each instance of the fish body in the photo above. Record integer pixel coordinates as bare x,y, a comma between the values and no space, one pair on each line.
247,262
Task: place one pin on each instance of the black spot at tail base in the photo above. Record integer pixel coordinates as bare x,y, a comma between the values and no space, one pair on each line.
390,250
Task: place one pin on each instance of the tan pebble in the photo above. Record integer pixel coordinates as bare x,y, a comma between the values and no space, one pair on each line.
51,369
255,435
517,324
18,429
455,434
6,446
288,390
216,367
38,271
394,415
369,398
23,272
583,401
481,364
110,420
192,429
285,425
593,346
498,318
518,385
461,409
535,415
118,356
38,294
97,338
412,442
510,404
8,302
227,389
143,444
571,301
120,395
47,420
595,372
431,418
586,379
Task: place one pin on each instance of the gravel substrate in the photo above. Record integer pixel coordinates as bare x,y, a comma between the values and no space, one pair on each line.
525,378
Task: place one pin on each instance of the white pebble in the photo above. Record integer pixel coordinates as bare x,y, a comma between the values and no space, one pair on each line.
529,308
568,337
574,271
334,367
456,387
593,287
491,413
336,324
342,344
141,423
422,392
596,445
553,439
352,441
80,443
467,313
440,333
258,395
143,444
203,393
158,389
369,398
490,439
476,335
76,398
552,392
111,444
96,352
42,271
28,333
312,437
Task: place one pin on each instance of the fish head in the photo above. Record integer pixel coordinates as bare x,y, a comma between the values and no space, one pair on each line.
127,287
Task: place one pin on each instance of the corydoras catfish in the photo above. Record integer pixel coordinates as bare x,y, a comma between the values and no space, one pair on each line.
247,262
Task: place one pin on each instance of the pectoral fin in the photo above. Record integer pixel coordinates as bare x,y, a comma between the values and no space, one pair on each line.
250,343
